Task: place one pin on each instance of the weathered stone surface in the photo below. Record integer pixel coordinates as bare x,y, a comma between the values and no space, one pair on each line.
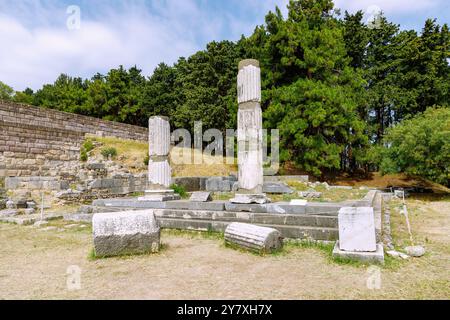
159,171
377,256
286,178
249,81
237,207
31,205
201,197
277,188
159,196
397,254
399,194
311,194
255,238
357,230
8,213
129,232
415,251
219,184
250,198
250,152
12,183
298,202
10,204
29,211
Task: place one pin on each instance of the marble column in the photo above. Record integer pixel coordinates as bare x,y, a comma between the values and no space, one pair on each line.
159,171
250,151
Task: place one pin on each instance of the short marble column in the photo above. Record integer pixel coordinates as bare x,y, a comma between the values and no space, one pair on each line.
159,171
250,151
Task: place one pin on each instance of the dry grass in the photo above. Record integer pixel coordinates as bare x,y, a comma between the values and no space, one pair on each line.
131,154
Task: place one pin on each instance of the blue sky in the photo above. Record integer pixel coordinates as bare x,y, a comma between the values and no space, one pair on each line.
36,45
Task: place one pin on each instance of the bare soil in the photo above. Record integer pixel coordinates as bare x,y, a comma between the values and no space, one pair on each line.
34,262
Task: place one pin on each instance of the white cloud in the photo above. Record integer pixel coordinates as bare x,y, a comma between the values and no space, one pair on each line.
32,54
388,6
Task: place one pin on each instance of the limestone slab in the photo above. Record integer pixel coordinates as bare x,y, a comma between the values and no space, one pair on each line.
376,256
250,198
128,232
357,229
201,197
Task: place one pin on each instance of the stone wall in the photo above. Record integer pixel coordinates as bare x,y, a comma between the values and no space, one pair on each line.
36,141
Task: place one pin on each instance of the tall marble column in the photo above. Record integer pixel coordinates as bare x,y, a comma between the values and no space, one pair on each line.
250,134
159,171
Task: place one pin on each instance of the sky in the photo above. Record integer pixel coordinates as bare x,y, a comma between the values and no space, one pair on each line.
40,39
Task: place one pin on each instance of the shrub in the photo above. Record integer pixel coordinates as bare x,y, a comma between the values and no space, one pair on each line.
146,159
88,145
179,189
109,153
420,146
83,155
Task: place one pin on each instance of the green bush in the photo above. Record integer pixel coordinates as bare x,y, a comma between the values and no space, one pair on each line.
88,145
109,152
180,190
420,146
83,155
146,159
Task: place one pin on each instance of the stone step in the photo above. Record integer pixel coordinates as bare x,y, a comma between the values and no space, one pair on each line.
293,232
312,208
254,218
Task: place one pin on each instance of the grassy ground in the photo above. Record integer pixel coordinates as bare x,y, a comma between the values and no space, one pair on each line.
34,262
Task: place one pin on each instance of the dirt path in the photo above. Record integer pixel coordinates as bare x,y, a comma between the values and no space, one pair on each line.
33,265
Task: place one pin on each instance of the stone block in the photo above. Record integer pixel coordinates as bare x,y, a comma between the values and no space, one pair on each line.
12,183
129,232
254,238
277,188
357,229
376,257
201,197
250,198
218,184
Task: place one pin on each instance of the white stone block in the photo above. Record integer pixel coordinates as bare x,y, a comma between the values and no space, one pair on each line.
159,173
159,136
357,229
296,202
129,232
249,82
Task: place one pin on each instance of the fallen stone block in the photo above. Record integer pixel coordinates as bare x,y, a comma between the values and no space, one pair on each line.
201,197
277,188
310,194
254,238
396,254
122,233
8,213
250,198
